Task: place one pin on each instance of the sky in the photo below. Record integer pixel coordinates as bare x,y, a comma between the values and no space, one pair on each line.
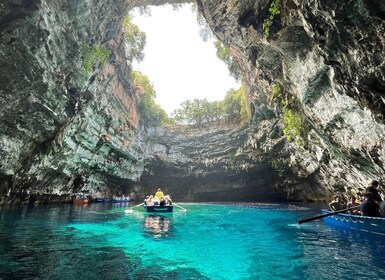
177,61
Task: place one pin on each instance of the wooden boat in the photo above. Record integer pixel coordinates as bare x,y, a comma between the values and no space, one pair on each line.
80,201
158,208
102,200
121,199
374,225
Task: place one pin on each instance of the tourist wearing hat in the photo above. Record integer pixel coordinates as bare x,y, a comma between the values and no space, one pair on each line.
159,194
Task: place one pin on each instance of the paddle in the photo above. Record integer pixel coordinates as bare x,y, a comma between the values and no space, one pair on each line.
130,210
184,209
138,205
326,215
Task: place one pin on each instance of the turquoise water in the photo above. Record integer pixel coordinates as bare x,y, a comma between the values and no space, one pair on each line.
209,241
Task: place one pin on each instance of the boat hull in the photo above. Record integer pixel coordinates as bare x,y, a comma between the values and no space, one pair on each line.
374,225
102,200
80,201
157,209
120,201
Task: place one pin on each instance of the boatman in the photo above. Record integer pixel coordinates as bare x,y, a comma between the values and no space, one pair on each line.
373,188
369,207
159,194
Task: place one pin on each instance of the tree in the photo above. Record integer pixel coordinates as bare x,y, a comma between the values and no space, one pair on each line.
135,40
224,54
234,108
184,114
150,112
236,105
204,29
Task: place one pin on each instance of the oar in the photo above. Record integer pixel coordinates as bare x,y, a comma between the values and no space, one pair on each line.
326,215
138,205
184,209
131,210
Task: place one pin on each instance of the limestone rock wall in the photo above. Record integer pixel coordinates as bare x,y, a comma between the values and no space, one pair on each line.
216,163
222,163
64,129
327,57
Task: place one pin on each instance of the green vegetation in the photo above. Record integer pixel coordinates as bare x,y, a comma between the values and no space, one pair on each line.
144,10
273,11
135,40
197,112
223,53
295,128
236,105
278,95
234,108
150,112
91,54
204,29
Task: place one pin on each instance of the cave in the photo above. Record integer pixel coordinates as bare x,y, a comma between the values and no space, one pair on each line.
313,73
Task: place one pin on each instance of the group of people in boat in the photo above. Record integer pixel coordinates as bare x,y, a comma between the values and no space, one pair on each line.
159,199
121,198
371,205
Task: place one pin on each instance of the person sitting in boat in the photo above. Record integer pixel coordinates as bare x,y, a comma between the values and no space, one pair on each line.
336,204
382,208
353,203
162,201
150,201
145,200
156,201
168,200
373,188
369,207
159,194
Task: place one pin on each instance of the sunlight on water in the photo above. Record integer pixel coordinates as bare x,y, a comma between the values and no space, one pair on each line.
209,241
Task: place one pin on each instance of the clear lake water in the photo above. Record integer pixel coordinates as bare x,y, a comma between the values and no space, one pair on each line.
209,241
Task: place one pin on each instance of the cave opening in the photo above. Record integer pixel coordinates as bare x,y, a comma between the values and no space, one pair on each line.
181,61
189,67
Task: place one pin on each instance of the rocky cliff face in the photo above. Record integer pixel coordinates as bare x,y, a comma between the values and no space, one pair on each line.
61,125
216,163
65,129
326,56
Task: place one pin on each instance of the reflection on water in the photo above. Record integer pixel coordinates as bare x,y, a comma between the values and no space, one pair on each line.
240,242
157,226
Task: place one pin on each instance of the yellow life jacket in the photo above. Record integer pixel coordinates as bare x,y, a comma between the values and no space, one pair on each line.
159,195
